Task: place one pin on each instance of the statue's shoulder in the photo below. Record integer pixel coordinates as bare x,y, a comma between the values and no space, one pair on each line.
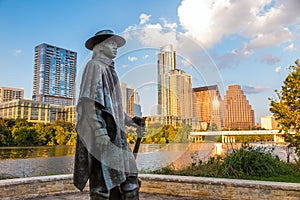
94,65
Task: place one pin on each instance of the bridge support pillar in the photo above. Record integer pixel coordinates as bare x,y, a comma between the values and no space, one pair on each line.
228,139
198,138
278,138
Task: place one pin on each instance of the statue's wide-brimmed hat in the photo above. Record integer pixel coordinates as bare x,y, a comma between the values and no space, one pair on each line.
100,36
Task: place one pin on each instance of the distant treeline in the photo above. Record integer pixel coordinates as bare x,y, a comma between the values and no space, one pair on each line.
162,135
20,132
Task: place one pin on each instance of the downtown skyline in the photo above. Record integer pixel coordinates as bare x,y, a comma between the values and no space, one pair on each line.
221,44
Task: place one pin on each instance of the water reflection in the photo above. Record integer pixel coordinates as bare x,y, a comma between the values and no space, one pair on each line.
35,152
36,161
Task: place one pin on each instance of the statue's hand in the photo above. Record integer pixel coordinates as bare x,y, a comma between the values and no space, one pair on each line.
140,121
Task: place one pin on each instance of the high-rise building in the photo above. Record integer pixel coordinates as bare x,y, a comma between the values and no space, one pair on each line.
238,112
180,94
9,94
166,62
207,105
124,96
130,101
54,75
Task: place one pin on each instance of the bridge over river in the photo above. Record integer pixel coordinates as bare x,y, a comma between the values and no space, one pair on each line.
229,136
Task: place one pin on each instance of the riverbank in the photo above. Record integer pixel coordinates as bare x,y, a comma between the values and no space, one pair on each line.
160,186
151,157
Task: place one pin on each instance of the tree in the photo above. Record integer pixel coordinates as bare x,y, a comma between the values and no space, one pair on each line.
68,126
183,134
286,109
20,122
5,137
25,136
60,135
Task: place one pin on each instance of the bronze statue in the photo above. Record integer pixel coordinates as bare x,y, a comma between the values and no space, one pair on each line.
102,153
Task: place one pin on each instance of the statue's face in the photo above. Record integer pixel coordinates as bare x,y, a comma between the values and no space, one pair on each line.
110,48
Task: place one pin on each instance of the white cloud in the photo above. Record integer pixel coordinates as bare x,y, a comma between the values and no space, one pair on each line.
144,18
290,47
127,32
263,23
278,69
17,51
132,58
154,35
166,24
146,56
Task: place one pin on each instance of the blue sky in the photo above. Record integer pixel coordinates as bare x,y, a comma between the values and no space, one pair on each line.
250,43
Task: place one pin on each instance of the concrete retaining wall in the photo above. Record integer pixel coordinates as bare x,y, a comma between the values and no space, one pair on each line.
206,188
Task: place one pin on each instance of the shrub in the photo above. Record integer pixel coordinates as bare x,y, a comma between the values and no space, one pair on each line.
249,161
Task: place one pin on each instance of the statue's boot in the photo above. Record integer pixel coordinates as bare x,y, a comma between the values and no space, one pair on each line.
99,195
130,188
115,194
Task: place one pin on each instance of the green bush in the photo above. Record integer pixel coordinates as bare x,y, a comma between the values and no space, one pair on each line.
250,161
245,163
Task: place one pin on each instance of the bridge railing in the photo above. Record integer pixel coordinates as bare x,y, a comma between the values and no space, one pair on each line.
229,136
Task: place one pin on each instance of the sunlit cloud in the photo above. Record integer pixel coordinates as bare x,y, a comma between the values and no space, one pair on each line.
264,23
144,18
290,47
169,25
132,58
278,69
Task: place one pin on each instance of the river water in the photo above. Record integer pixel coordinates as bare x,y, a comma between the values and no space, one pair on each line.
37,161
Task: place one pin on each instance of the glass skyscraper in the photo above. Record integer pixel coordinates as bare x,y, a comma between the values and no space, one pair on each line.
180,94
54,75
208,106
131,101
166,62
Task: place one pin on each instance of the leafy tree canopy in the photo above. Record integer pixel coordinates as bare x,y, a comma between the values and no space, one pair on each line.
286,108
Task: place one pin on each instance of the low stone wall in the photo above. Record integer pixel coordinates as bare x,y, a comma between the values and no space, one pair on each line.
206,188
219,188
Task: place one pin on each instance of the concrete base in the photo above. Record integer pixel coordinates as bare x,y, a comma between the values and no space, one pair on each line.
206,188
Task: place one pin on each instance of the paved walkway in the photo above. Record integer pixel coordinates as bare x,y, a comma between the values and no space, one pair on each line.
85,196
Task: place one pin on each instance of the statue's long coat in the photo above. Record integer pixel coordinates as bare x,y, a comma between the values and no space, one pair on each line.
100,85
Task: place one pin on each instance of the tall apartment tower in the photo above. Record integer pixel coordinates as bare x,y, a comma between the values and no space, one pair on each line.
207,105
54,75
238,111
9,94
130,101
180,94
166,62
